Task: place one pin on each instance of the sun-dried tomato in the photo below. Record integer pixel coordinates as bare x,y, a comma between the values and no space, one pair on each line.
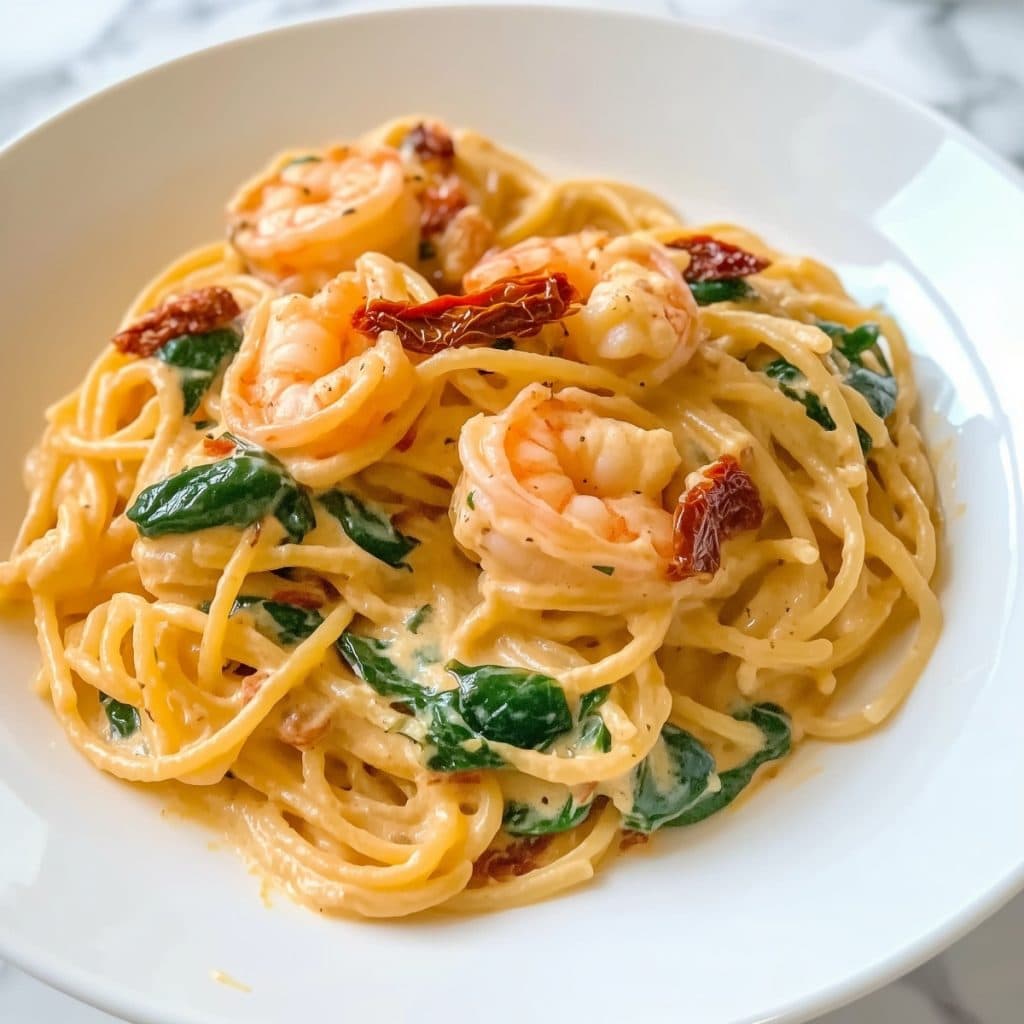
519,857
724,503
299,598
430,142
218,445
633,838
196,312
516,307
714,260
439,203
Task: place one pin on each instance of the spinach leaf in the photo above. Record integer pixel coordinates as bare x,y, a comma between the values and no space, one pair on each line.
418,617
592,700
291,623
591,732
671,786
365,656
510,705
294,624
457,748
237,491
123,718
533,820
880,392
369,529
774,724
198,359
787,375
853,342
671,778
495,703
730,290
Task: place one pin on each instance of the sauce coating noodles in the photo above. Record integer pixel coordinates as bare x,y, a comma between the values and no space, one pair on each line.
426,623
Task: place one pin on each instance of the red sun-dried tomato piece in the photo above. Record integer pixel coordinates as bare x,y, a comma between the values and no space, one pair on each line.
516,307
715,260
218,445
430,142
518,858
439,203
197,312
724,503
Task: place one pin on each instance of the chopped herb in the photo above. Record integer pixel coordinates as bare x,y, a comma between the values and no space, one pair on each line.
470,500
427,250
310,159
608,570
504,344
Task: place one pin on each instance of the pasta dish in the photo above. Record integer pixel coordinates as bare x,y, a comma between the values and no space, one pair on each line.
449,528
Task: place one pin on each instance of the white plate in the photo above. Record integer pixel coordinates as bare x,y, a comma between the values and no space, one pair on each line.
863,859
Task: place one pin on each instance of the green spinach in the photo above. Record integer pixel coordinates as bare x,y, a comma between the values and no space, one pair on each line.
418,617
791,381
733,289
492,702
373,532
672,785
198,359
236,491
533,820
123,718
510,705
591,732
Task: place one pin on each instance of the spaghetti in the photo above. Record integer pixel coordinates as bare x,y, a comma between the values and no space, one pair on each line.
449,525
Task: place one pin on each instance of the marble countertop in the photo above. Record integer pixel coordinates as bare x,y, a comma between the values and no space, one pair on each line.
963,57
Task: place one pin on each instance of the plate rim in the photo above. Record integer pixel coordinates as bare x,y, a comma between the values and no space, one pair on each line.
91,989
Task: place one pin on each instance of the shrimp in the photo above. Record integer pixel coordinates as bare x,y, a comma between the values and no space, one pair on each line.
305,382
564,489
303,222
638,319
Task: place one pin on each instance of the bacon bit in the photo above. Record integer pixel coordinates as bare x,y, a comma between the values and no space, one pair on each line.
714,260
518,858
299,598
218,445
303,727
192,313
631,838
440,203
430,142
724,503
406,441
516,307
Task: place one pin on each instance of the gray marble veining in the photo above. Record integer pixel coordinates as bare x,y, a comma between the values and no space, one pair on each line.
963,57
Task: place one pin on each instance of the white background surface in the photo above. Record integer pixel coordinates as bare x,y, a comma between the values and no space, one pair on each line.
965,58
